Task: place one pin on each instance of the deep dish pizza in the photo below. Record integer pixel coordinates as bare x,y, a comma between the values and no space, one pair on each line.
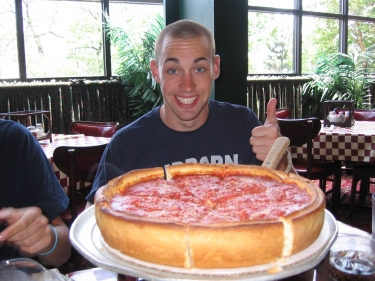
209,216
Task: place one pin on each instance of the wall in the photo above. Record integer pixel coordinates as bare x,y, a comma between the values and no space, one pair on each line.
228,21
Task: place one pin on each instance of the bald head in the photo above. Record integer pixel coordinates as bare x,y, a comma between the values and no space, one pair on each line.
184,29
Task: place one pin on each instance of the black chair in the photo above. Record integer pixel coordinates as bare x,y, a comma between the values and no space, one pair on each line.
79,163
303,131
361,172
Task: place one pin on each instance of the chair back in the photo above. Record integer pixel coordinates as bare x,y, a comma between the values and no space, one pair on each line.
79,163
92,128
300,132
360,114
283,113
364,114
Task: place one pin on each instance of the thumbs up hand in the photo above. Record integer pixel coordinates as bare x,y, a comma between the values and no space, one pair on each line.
264,136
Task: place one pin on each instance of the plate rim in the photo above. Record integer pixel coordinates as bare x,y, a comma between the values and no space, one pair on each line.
85,224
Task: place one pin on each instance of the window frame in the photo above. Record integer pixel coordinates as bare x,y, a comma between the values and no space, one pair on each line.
343,17
106,42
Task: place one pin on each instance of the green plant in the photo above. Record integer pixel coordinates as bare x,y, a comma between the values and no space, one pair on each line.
134,60
339,77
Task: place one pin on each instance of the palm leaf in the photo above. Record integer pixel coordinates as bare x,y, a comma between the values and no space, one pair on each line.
134,59
338,76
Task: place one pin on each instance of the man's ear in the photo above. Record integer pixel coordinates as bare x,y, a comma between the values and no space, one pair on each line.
216,67
154,71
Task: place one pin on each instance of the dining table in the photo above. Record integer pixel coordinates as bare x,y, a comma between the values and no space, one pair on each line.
355,143
68,140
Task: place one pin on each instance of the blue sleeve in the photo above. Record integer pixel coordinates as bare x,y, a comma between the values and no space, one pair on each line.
27,178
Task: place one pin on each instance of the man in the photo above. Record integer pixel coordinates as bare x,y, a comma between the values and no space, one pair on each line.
188,127
31,200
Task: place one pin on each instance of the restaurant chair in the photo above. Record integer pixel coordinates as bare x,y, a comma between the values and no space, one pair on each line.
80,164
283,113
303,131
362,172
93,128
360,114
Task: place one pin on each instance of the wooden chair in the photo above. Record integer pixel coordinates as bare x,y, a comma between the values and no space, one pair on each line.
92,128
303,131
283,113
361,172
79,163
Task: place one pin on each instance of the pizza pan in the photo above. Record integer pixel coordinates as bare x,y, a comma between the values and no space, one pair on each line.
86,239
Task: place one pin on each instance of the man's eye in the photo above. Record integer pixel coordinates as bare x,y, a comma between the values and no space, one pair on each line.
172,71
200,69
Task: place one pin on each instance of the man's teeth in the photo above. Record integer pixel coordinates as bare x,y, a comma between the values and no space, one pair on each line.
186,100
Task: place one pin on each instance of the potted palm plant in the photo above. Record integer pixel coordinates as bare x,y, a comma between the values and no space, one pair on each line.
134,59
339,77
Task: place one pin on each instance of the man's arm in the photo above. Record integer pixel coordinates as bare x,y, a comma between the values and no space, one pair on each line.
30,231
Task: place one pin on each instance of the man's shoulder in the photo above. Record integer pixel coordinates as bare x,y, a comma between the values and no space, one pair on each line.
6,125
236,109
140,125
12,131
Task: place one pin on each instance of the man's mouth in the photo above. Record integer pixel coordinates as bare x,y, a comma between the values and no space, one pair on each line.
186,100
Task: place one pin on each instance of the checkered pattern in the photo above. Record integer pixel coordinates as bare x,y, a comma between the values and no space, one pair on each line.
356,143
48,149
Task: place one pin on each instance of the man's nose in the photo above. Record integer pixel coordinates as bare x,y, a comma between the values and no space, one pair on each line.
187,83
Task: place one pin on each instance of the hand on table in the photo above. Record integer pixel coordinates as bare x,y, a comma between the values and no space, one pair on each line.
27,230
264,136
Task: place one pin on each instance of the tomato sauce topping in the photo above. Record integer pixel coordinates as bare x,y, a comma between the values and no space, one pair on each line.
211,199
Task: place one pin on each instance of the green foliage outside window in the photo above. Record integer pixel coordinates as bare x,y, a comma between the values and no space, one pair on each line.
134,66
339,77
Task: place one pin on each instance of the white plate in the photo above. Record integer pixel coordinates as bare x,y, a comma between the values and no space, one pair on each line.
86,238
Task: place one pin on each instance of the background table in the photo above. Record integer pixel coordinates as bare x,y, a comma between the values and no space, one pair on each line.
68,140
356,143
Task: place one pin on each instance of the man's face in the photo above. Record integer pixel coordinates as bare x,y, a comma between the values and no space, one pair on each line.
185,71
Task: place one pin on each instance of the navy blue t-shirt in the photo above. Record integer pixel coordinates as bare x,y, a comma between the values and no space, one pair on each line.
26,177
148,142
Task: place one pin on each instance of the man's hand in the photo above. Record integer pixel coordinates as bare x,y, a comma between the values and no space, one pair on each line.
27,230
264,136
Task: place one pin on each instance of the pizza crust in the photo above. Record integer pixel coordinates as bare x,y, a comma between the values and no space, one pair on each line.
207,246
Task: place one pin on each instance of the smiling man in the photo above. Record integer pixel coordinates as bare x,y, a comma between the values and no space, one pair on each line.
188,127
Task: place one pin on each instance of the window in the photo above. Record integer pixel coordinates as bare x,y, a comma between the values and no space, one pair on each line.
8,40
306,29
135,19
64,39
273,53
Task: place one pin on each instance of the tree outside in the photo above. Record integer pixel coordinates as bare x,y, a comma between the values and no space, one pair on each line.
271,35
63,38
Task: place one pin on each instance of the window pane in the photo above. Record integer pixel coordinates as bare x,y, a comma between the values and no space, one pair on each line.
285,4
361,36
8,41
322,6
270,43
134,19
63,38
319,36
363,8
